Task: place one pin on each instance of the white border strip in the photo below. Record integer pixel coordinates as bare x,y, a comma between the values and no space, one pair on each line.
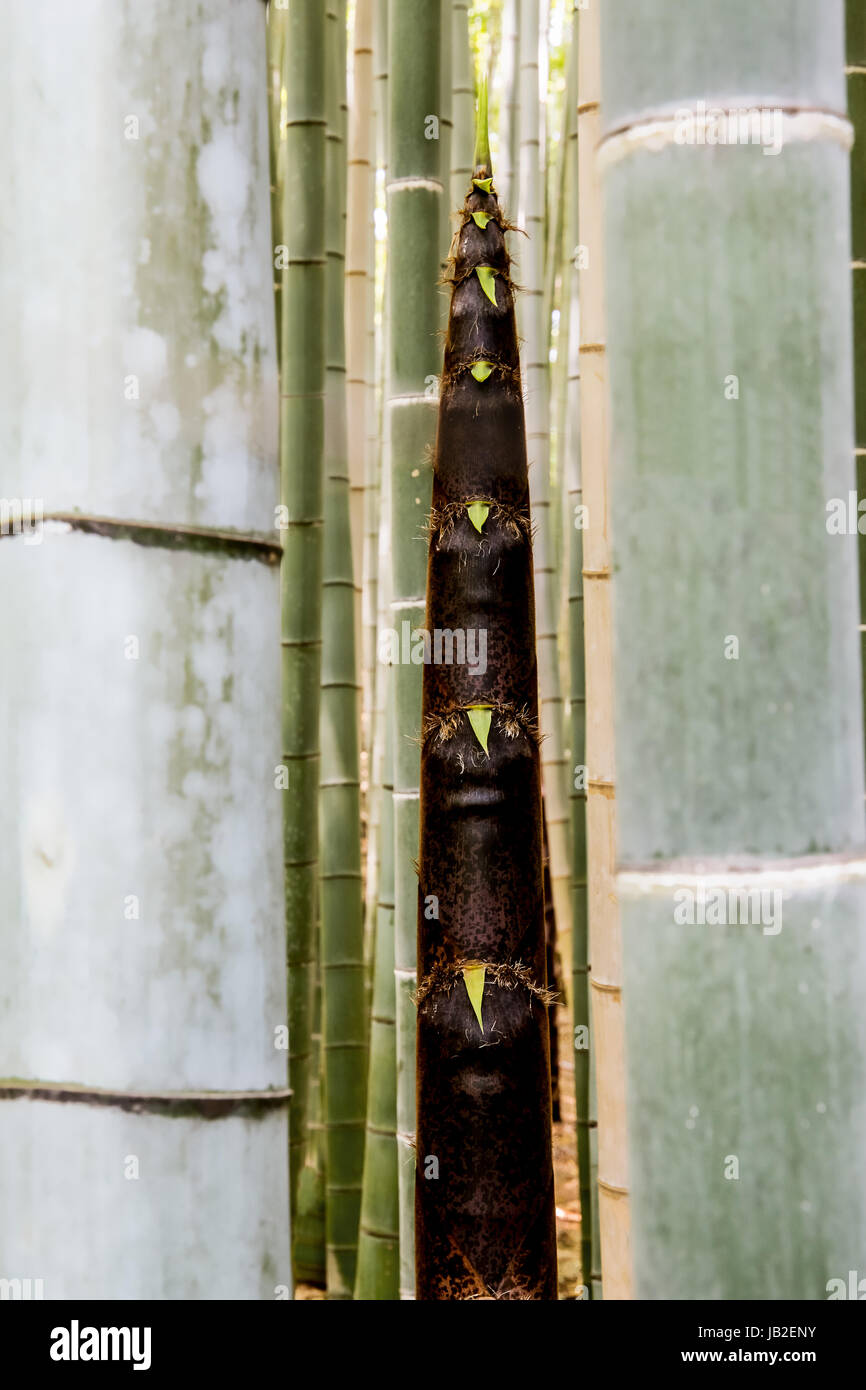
798,127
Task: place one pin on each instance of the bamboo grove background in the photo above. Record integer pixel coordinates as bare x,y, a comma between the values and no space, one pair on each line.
692,408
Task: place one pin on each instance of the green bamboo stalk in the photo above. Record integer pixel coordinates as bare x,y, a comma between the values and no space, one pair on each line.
359,344
378,511
855,52
585,1117
308,1247
343,990
297,34
445,143
610,1193
414,200
508,163
484,1184
379,1242
462,106
736,619
536,375
276,34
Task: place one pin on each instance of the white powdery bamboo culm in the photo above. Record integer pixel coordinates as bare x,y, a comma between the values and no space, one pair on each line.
144,1149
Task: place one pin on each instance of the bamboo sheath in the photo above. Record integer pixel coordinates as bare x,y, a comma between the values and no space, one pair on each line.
605,951
738,670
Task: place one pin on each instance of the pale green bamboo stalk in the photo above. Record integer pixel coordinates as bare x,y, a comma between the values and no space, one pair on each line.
445,143
297,36
462,105
508,156
359,260
308,1246
738,703
276,31
582,1053
378,513
536,378
414,203
143,1109
343,991
605,942
378,1274
855,52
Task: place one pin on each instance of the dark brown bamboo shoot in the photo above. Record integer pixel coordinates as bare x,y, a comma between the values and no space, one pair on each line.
484,1181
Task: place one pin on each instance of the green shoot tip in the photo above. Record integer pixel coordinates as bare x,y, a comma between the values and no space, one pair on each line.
483,166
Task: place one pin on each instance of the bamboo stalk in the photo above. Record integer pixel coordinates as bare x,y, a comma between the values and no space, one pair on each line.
583,1056
536,376
731,392
462,108
855,50
508,165
143,1111
605,949
308,1248
379,1242
297,37
343,978
484,1182
414,197
359,356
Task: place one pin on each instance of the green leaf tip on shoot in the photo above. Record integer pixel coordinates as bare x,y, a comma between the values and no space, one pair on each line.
481,219
473,979
486,280
480,717
478,514
481,370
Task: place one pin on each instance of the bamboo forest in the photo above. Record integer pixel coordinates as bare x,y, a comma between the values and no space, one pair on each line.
433,574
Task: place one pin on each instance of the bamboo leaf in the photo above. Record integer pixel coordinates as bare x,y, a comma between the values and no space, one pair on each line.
484,184
481,219
473,978
480,717
481,370
486,278
478,514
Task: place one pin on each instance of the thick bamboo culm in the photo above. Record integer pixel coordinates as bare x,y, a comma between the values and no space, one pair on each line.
344,1022
144,1098
741,872
605,948
415,192
485,1224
